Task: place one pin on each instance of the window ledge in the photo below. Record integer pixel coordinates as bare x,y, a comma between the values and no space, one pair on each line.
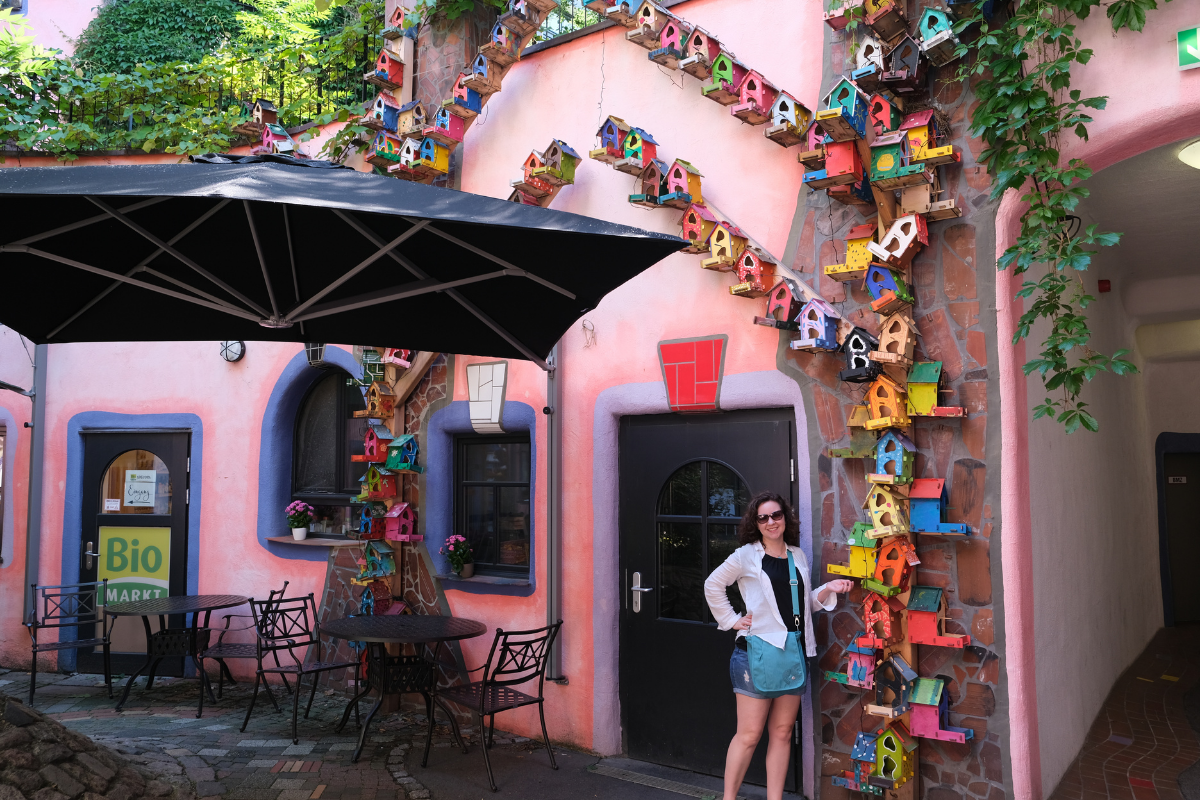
493,580
314,541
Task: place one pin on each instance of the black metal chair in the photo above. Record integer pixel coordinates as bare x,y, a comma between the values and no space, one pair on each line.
516,657
223,649
70,606
288,626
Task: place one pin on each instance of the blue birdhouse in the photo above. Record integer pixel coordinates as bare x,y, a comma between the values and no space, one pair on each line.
927,509
403,453
845,113
818,326
894,456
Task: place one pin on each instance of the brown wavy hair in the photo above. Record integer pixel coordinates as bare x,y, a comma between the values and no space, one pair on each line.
748,532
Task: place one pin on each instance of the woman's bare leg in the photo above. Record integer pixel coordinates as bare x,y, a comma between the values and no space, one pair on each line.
751,716
780,724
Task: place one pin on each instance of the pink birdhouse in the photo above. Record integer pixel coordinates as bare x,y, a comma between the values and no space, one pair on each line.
755,98
400,524
786,301
755,273
401,358
375,443
673,35
700,50
695,226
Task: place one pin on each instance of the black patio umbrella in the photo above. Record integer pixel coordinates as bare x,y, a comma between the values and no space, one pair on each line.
283,252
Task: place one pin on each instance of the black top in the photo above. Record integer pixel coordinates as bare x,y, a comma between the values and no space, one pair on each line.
403,628
777,570
180,604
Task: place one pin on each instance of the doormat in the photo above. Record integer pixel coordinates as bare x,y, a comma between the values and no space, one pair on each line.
656,783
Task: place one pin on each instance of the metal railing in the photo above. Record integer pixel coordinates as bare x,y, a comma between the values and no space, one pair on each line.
568,17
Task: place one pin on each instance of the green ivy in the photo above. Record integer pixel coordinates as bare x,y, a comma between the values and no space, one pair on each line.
126,33
1022,63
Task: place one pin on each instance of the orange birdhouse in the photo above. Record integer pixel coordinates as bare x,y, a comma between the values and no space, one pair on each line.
887,404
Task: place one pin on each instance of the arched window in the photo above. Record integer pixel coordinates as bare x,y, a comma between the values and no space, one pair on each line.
327,435
697,518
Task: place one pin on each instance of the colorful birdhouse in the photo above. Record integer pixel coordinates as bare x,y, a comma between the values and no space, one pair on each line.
411,118
906,71
902,242
683,185
920,199
857,347
883,618
648,22
725,246
726,78
938,41
861,563
559,164
859,666
388,72
897,339
264,112
755,273
375,442
858,258
383,114
652,182
397,357
862,755
892,166
447,128
789,120
884,114
484,77
842,166
869,78
853,194
894,457
924,137
929,716
700,51
464,102
273,139
395,24
384,150
927,509
517,196
672,40
378,560
888,290
888,509
894,561
845,115
435,156
611,138
813,154
503,46
620,13
381,401
755,98
886,404
695,226
785,301
818,327
521,17
862,445
927,619
400,524
640,149
886,19
410,154
894,680
364,522
377,484
839,16
402,454
925,390
895,755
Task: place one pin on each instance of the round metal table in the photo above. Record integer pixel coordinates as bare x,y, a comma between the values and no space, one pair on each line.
396,675
167,642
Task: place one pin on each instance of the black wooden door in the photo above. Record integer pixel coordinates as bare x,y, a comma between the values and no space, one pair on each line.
135,504
685,481
1182,473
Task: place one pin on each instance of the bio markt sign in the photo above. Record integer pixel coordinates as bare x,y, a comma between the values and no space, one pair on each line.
136,561
1188,42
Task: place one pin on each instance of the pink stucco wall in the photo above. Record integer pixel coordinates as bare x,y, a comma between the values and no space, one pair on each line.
16,369
57,23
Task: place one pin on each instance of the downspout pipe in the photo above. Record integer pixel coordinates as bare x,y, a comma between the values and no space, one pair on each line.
554,460
37,448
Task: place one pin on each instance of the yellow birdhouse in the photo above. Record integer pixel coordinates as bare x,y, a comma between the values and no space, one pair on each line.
858,257
888,509
725,246
894,751
862,555
887,404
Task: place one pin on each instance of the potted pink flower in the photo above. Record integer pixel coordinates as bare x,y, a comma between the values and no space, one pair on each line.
299,516
462,561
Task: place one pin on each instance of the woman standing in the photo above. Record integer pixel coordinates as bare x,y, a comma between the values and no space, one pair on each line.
760,567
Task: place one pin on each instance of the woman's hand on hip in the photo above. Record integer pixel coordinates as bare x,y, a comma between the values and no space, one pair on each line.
744,623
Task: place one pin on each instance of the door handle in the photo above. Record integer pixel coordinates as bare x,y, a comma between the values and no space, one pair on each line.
88,555
637,590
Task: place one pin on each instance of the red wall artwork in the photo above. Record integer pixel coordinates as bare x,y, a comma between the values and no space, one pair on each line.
692,370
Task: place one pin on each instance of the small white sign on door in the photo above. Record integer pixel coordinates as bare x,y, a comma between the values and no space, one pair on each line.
112,505
139,487
1177,479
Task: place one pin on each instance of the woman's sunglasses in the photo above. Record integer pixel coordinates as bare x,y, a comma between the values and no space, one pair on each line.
774,516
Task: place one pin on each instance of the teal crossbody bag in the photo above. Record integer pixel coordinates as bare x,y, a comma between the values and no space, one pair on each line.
773,671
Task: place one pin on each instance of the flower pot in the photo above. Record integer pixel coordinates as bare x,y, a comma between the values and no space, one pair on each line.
299,534
467,571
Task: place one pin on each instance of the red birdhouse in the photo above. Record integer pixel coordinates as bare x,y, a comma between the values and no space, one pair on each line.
927,619
699,53
755,98
882,618
375,444
388,72
755,273
786,301
843,165
400,524
695,226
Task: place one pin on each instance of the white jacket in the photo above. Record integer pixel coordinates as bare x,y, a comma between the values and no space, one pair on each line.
744,566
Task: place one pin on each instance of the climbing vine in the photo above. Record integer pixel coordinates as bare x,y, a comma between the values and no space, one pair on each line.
1020,64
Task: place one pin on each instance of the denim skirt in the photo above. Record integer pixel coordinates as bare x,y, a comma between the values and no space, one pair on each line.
739,675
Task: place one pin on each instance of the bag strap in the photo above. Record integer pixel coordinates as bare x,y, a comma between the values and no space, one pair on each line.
795,590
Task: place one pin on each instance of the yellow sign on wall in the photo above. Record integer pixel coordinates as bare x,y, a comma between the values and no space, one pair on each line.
136,561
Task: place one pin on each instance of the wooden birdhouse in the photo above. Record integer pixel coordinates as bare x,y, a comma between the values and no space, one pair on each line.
383,114
894,680
789,120
484,77
813,154
517,196
695,226
902,242
559,164
683,185
894,561
402,454
435,156
464,101
927,619
755,98
838,17
755,273
398,357
845,114
842,166
892,166
888,290
906,71
818,327
364,522
897,339
869,78
853,194
938,41
384,150
400,524
925,391
264,112
785,301
648,21
924,138
447,128
700,50
884,114
672,40
410,150
862,445
503,46
395,24
927,509
895,756
726,77
883,618
651,181
381,402
521,17
375,443
411,119
529,184
858,257
377,484
857,347
274,139
861,563
887,404
388,72
640,150
410,154
886,19
859,669
725,247
378,560
620,13
862,755
894,457
929,715
888,509
611,138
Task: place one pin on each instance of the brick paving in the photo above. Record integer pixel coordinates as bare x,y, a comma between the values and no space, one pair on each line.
1141,740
